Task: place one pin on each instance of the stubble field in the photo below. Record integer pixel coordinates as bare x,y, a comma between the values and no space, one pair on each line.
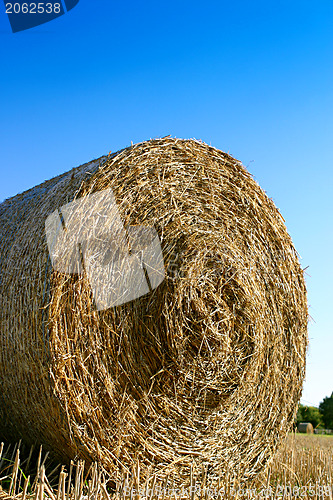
301,469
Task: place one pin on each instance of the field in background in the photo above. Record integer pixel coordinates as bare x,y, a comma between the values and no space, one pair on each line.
301,469
303,466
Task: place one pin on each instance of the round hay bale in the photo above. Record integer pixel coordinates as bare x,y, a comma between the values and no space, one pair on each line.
305,428
206,368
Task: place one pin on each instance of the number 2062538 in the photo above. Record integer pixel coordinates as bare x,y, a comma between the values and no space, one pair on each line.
33,8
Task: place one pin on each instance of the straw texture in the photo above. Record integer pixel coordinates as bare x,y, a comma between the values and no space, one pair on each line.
206,369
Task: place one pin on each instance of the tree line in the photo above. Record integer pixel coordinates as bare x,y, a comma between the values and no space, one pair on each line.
320,418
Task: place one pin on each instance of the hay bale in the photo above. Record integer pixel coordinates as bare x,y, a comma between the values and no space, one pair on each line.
305,428
207,368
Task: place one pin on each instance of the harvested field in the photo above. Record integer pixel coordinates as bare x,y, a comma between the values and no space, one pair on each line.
301,469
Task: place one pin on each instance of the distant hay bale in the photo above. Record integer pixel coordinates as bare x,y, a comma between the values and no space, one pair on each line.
305,428
205,369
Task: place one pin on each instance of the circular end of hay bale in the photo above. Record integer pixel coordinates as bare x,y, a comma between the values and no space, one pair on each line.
204,369
305,428
209,365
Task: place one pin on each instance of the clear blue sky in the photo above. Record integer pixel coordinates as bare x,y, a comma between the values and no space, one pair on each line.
252,78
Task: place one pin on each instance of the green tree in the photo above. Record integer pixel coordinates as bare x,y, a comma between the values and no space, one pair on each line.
326,408
309,414
299,416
